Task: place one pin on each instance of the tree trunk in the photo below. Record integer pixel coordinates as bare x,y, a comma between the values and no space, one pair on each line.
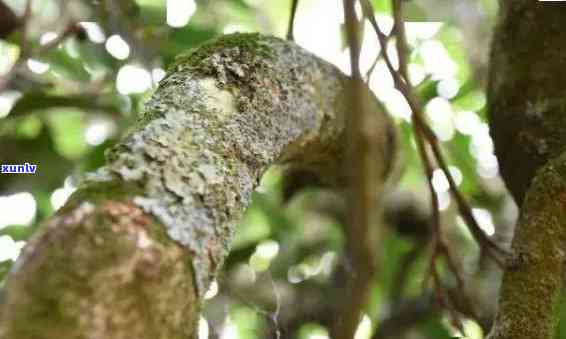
527,105
133,251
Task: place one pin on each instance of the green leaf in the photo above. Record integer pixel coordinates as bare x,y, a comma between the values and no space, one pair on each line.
434,329
65,65
5,267
68,128
17,232
181,40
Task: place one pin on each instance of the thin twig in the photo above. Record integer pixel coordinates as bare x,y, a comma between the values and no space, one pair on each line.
69,30
444,300
465,211
463,207
439,247
275,314
418,119
378,57
364,181
272,316
291,26
424,136
25,19
400,38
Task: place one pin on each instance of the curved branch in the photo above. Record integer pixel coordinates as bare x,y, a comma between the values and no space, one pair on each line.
134,250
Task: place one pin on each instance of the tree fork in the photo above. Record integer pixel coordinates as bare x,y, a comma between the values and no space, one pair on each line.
133,251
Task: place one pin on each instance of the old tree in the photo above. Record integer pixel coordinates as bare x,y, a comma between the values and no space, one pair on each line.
134,250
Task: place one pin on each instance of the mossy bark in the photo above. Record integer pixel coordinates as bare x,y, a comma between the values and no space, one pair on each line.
533,282
133,252
527,112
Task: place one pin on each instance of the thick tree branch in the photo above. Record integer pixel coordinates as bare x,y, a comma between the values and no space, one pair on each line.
526,106
532,285
9,22
526,101
145,235
363,232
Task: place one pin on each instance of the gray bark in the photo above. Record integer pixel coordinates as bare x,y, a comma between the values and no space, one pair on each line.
134,250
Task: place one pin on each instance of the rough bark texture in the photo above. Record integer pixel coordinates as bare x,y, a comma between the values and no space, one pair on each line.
526,100
135,249
532,285
526,104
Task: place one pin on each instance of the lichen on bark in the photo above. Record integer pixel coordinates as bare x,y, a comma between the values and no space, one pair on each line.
100,269
223,114
533,282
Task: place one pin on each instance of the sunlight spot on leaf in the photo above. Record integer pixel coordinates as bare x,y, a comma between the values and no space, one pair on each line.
60,196
481,141
133,79
229,330
488,166
212,290
395,103
416,74
437,61
98,131
37,66
202,328
327,14
421,30
93,31
313,331
439,111
9,54
10,249
7,101
179,12
264,253
117,47
157,74
47,37
443,200
440,182
448,88
467,122
484,220
311,267
17,209
364,328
